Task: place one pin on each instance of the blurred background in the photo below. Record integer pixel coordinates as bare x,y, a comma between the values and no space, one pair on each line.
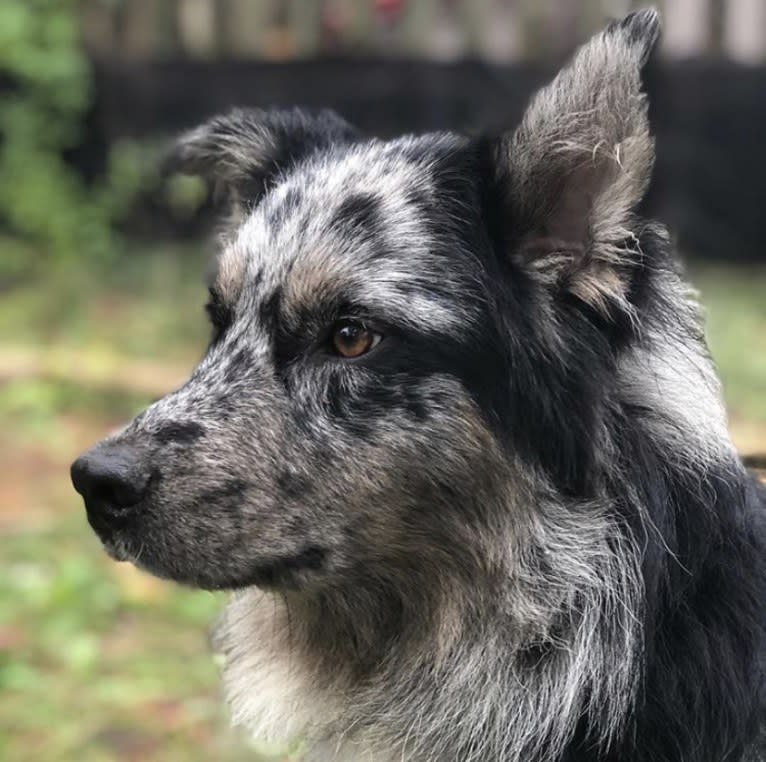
101,265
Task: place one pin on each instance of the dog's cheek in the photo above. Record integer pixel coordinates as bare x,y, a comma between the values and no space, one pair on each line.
385,479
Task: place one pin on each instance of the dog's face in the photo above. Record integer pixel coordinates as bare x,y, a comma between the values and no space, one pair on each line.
330,402
390,324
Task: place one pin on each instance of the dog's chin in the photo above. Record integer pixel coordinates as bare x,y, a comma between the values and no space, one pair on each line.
111,541
298,571
120,546
116,550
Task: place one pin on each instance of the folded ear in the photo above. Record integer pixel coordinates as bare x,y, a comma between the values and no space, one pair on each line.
579,163
241,152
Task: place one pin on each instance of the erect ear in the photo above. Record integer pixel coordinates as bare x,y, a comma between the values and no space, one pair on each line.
579,163
241,152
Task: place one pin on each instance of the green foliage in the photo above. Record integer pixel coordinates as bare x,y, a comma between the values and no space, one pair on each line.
46,209
41,199
734,303
101,662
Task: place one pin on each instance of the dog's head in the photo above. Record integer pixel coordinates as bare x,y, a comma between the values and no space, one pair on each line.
395,325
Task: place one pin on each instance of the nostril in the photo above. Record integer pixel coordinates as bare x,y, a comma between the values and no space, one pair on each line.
112,480
115,490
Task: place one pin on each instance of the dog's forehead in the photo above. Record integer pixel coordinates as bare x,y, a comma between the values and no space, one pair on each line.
361,220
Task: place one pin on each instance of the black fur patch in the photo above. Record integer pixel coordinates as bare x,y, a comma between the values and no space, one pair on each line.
221,495
269,310
179,432
221,315
282,570
361,212
293,485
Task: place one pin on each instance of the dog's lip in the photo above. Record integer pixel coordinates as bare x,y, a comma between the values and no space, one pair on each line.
116,550
288,572
113,545
106,529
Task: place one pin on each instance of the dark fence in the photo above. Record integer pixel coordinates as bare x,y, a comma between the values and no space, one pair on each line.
709,118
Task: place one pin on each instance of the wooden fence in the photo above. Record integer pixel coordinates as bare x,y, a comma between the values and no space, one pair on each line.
495,30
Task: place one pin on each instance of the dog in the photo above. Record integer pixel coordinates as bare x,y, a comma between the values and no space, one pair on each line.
456,446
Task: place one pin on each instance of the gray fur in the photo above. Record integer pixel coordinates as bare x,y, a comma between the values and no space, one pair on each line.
451,602
462,656
582,158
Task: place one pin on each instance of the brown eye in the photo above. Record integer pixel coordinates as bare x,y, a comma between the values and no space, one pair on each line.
350,338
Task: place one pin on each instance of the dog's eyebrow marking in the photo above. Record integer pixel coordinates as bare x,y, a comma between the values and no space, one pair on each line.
229,275
179,432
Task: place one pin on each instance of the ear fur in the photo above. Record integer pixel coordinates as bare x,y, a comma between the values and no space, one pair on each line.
579,163
241,152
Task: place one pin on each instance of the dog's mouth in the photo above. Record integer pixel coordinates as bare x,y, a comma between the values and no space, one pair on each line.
196,552
288,572
115,544
283,572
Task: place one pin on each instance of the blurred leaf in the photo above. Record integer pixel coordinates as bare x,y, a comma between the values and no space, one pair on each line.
184,195
55,216
17,676
41,198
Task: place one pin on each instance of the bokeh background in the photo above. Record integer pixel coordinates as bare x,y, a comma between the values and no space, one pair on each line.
101,264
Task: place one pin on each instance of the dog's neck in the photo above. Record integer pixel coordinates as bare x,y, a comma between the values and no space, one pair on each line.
378,668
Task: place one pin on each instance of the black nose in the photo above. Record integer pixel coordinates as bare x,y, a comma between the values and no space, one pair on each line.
111,479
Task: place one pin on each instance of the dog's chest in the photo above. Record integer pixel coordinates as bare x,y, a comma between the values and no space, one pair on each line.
277,696
270,690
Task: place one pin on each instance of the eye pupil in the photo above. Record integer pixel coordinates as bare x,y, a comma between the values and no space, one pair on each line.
352,339
350,333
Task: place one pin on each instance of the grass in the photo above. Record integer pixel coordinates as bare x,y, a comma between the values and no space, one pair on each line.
735,305
149,305
98,661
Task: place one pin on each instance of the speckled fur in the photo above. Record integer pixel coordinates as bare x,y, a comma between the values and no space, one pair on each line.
515,530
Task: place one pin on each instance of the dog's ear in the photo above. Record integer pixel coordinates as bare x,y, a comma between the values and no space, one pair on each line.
241,152
573,172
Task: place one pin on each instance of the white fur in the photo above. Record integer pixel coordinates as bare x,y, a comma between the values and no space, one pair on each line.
271,691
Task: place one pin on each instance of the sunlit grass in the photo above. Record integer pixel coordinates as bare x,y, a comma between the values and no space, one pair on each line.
147,306
735,306
100,661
